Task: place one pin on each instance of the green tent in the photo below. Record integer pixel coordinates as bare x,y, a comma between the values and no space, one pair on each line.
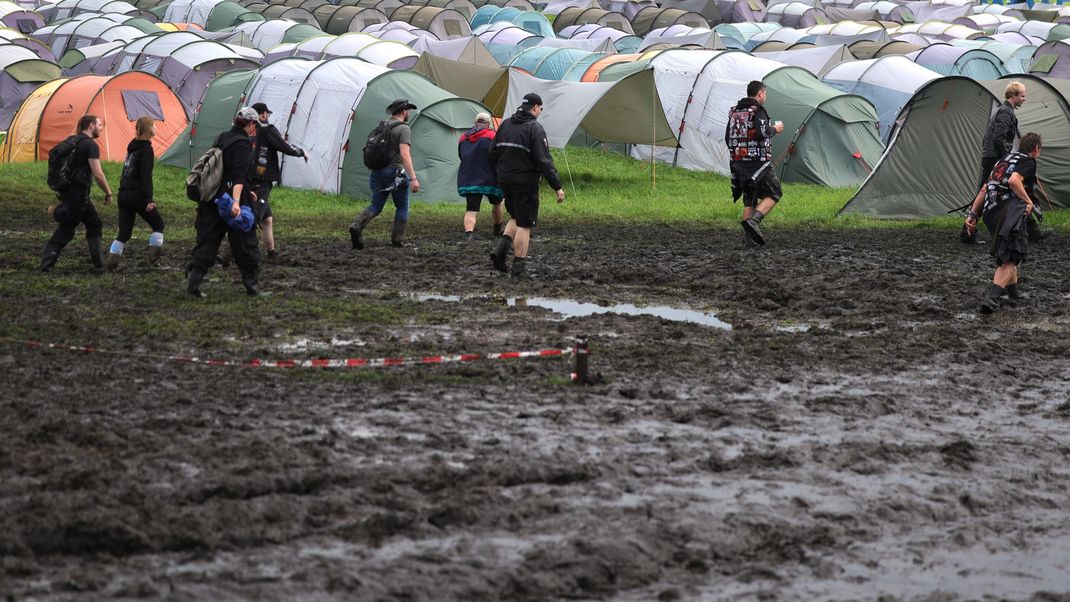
933,159
835,141
489,85
228,14
220,104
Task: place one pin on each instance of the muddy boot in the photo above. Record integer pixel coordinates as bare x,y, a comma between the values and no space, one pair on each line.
497,256
154,256
1032,227
747,242
750,226
1015,295
223,258
272,256
469,237
520,268
96,254
397,233
252,284
356,231
196,277
990,303
48,259
113,262
499,229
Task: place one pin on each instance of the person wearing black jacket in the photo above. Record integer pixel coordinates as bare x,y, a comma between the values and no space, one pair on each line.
135,195
237,146
266,171
749,138
522,157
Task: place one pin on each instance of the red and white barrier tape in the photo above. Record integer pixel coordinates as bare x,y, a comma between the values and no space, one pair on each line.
381,362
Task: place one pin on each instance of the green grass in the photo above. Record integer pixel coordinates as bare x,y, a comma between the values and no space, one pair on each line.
601,186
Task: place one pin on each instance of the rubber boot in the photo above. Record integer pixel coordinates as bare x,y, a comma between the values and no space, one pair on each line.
499,229
356,231
397,233
49,257
196,277
1015,295
224,256
252,284
497,256
96,254
520,268
990,303
154,256
1032,228
113,262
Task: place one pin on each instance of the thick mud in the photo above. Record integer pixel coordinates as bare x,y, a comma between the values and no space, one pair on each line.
860,432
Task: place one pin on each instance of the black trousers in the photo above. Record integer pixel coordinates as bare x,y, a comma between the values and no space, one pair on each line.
128,211
987,163
210,232
77,209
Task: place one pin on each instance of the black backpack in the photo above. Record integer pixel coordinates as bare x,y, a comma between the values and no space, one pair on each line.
61,164
378,152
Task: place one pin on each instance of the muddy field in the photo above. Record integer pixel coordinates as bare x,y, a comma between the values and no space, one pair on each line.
859,432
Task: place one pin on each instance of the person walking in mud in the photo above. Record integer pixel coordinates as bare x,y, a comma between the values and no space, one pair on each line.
749,136
136,195
476,177
231,218
266,171
392,174
1005,205
75,205
522,157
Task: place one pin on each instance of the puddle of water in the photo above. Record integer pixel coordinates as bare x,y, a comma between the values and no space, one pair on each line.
792,328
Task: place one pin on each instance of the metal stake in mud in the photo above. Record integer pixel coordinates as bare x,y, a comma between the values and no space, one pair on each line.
582,374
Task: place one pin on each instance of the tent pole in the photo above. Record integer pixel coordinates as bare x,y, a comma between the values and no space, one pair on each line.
564,153
653,135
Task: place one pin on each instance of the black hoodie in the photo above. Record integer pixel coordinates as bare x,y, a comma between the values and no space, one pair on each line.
135,184
521,153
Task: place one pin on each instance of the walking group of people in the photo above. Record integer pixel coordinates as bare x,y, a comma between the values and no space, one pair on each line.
505,166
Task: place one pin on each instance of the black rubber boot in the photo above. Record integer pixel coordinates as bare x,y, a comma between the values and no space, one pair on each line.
154,255
520,268
397,233
497,256
49,257
1033,229
252,284
114,262
1015,295
196,277
96,254
499,229
750,226
991,303
356,231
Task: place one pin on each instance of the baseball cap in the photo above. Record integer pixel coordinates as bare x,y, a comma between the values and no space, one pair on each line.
531,99
261,108
482,118
248,113
400,105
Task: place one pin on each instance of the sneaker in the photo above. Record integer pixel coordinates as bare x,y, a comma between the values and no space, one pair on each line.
750,226
747,242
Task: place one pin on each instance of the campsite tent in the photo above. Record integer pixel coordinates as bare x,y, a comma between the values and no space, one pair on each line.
555,63
888,11
358,45
1046,31
488,84
327,108
830,137
1016,58
888,82
339,19
795,14
529,21
65,9
653,18
14,16
267,34
504,40
466,50
398,31
46,119
282,11
736,35
583,16
865,49
10,36
623,42
728,11
683,35
1052,59
465,7
213,15
931,165
79,61
947,59
940,31
817,60
21,71
445,23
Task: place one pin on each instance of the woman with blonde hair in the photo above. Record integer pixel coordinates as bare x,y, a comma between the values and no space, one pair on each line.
135,195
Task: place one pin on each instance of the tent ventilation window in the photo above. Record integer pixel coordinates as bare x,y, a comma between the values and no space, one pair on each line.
142,102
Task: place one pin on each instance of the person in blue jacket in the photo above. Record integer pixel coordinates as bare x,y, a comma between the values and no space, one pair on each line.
477,176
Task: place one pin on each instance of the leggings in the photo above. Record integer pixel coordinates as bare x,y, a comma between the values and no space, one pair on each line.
126,220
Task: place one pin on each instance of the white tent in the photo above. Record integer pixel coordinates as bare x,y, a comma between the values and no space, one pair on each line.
818,60
189,11
888,82
683,35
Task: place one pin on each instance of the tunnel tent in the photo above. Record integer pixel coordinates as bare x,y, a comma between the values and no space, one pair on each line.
469,50
597,16
837,14
831,136
523,5
683,35
622,41
445,23
947,59
1046,31
10,36
343,19
739,33
79,61
866,49
554,7
603,46
220,103
817,60
1016,58
983,22
555,63
288,13
21,72
119,100
399,31
653,18
940,31
384,6
888,11
268,34
487,84
728,11
504,40
229,14
796,14
1051,59
66,9
19,146
189,11
533,22
137,53
930,166
888,82
19,19
386,53
595,69
465,7
790,35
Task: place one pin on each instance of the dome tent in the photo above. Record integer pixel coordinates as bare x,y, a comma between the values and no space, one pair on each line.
119,100
21,72
327,108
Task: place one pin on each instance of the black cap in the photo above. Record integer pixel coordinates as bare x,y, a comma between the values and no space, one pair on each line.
399,105
531,99
261,108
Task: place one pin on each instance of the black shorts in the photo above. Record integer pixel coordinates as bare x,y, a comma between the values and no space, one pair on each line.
522,203
766,187
473,200
262,208
1006,223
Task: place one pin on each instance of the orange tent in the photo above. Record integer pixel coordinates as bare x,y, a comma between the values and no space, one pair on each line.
591,75
119,100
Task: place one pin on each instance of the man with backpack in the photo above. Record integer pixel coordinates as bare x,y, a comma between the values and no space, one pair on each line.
266,171
388,156
73,166
225,170
749,137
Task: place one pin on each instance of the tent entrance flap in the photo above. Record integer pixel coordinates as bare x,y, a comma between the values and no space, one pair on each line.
139,103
